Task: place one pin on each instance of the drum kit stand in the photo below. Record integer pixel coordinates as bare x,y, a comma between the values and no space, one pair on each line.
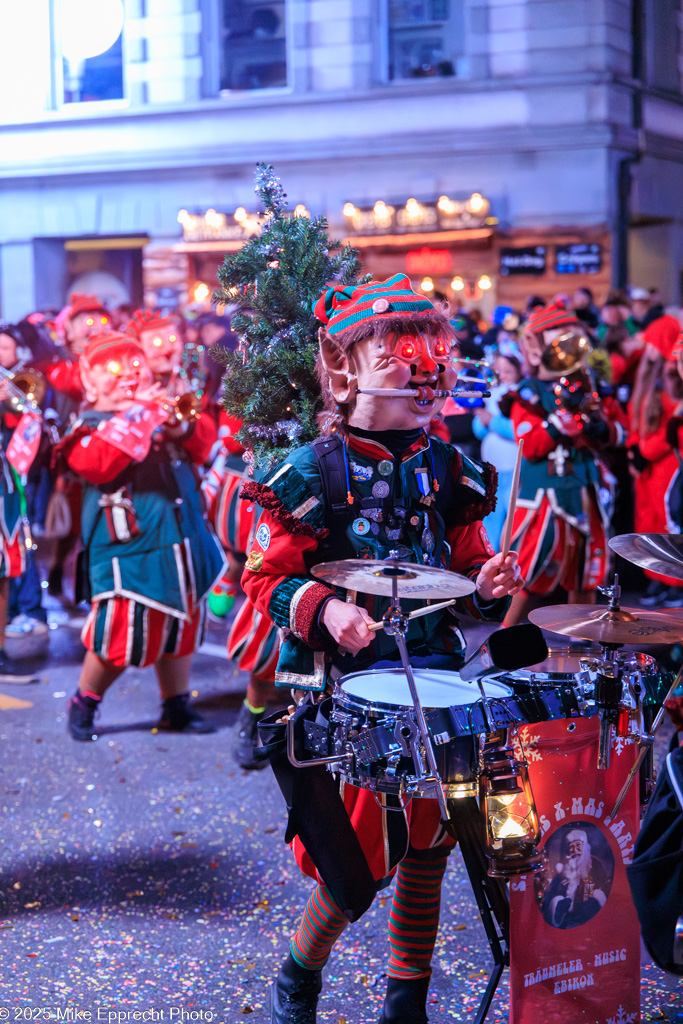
446,748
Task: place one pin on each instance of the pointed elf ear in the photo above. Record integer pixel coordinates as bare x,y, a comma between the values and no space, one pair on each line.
338,366
87,381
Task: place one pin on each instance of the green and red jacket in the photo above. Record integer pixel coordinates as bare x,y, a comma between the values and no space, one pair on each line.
171,557
439,526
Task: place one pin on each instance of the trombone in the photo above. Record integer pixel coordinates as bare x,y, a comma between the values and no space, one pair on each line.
26,389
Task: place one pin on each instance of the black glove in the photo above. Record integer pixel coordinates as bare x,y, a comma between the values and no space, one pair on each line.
597,430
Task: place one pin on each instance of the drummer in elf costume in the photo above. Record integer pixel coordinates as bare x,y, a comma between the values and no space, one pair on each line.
560,524
151,554
400,490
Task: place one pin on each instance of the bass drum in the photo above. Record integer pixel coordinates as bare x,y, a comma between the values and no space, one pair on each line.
373,716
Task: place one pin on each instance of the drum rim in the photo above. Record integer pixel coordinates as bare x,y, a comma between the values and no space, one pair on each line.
382,706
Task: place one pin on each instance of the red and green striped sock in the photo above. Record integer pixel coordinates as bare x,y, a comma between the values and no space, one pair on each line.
414,917
321,926
258,693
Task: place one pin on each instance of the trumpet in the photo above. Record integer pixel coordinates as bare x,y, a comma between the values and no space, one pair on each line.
26,389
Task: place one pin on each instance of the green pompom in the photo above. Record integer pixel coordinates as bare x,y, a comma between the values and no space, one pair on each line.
220,602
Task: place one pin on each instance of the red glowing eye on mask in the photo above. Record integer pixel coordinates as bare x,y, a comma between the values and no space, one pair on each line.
104,319
113,366
90,321
406,348
440,349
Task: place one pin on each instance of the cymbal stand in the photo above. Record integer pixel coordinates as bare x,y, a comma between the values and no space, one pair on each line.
609,687
645,745
396,625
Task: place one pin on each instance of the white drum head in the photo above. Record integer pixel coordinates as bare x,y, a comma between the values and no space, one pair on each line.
436,688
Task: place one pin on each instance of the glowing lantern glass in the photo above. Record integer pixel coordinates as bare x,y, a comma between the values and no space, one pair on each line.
512,829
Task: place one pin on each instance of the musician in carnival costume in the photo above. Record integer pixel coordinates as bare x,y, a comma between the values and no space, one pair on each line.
83,316
560,523
400,490
14,527
151,555
253,641
163,346
654,451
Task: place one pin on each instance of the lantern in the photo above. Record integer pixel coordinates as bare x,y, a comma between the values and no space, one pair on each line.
512,829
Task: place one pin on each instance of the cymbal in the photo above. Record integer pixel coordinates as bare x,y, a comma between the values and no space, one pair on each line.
620,626
370,576
658,552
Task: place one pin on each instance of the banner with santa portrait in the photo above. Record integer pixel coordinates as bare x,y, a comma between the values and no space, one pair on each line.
574,934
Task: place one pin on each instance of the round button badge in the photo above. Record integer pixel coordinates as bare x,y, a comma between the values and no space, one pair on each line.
361,526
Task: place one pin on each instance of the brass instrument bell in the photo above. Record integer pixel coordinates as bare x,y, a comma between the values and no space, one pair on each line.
566,353
182,408
26,387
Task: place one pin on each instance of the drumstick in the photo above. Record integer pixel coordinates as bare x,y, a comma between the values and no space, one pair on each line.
417,613
513,499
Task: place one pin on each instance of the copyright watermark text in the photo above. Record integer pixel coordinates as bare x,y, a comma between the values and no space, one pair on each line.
102,1015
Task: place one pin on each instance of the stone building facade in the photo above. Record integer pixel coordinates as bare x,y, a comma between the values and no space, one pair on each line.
564,116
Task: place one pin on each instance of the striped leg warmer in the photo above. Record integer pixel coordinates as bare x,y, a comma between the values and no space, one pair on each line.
414,917
321,926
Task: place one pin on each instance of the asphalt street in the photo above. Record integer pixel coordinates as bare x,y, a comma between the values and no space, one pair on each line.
147,872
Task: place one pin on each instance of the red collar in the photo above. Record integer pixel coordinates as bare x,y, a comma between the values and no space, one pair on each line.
376,451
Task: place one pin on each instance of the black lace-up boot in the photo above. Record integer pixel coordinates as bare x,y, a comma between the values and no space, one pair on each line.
295,994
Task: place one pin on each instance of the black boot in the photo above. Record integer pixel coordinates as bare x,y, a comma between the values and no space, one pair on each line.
10,673
82,710
295,994
245,739
406,1001
54,581
177,715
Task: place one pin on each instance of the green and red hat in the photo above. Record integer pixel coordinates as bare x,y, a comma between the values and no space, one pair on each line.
79,303
343,307
148,320
550,317
110,345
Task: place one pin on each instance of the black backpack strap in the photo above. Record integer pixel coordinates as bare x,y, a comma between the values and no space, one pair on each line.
331,458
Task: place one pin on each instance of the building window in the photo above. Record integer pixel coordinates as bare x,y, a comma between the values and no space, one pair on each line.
425,37
89,50
254,40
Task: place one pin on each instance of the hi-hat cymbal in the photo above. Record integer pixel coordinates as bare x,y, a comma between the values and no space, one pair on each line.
370,576
620,626
658,552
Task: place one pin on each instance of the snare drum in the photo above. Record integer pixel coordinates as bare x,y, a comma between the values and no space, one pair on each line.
373,716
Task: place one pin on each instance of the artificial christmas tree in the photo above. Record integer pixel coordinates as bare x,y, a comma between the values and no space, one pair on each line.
270,382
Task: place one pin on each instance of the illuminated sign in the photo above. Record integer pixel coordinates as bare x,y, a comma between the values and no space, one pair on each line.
526,259
580,258
428,261
402,219
220,227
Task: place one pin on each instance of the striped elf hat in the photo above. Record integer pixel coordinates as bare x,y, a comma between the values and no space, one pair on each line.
148,320
551,316
108,345
342,307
